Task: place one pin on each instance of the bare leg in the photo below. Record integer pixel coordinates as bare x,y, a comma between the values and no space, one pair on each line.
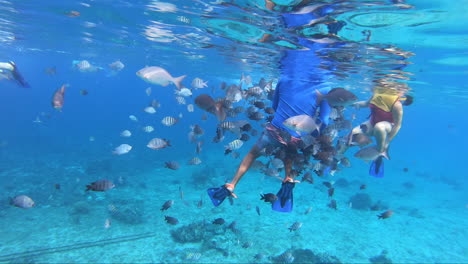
381,131
253,154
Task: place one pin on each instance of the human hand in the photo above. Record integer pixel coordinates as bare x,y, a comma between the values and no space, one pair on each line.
356,105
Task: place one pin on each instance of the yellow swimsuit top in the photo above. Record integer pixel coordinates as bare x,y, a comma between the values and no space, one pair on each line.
384,101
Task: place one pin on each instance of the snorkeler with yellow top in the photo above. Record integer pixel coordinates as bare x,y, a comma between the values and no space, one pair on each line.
385,120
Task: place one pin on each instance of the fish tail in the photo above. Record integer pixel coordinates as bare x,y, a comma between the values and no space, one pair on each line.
88,187
178,81
320,97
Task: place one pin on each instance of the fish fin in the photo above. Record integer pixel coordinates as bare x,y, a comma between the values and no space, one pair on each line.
377,167
320,97
178,81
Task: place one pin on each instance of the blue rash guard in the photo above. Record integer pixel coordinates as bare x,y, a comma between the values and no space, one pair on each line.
296,92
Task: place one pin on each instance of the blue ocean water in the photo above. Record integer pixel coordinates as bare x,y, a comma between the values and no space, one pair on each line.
218,41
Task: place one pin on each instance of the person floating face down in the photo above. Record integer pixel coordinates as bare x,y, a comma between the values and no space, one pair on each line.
290,100
9,71
385,120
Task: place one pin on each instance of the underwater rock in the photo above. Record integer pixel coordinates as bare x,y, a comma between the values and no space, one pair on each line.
361,201
341,182
192,233
305,256
128,212
381,259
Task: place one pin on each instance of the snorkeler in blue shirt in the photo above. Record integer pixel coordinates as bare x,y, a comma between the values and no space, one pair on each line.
297,93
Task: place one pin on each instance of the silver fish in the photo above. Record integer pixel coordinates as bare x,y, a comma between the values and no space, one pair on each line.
370,153
198,83
22,201
100,186
169,121
159,76
158,143
301,123
235,144
122,149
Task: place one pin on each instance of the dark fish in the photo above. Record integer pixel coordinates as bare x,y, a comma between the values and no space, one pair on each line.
259,104
331,191
345,162
22,201
327,184
244,137
385,214
173,165
181,193
257,116
84,92
268,198
231,200
308,177
269,110
197,130
339,97
199,147
208,104
200,204
100,186
219,221
308,210
171,220
405,169
259,257
269,118
361,139
247,127
247,244
294,227
332,204
362,187
167,205
257,209
219,135
57,186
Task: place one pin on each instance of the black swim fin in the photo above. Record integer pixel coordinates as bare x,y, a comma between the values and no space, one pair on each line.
285,200
377,167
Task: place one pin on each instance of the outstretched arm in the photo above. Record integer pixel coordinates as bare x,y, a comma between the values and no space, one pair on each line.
361,104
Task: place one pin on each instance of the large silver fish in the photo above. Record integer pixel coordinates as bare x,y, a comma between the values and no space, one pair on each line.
301,123
370,153
159,76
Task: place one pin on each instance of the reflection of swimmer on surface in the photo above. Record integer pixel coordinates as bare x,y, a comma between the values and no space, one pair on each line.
9,71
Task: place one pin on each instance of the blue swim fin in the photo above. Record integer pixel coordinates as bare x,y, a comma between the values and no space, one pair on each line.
217,195
285,200
377,167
